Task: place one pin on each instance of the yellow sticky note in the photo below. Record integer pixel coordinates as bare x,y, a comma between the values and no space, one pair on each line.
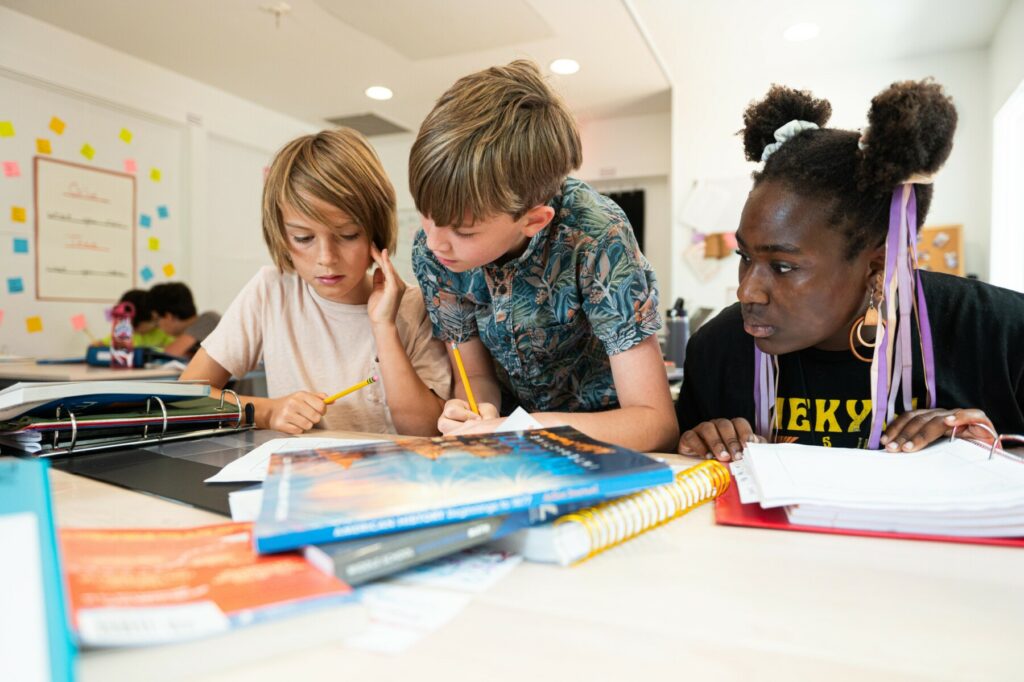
126,135
87,151
43,145
154,244
34,324
57,125
6,129
154,174
169,269
18,214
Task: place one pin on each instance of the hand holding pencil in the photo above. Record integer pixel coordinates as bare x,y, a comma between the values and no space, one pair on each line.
458,412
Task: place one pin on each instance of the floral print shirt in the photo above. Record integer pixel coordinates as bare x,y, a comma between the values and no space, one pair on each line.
581,291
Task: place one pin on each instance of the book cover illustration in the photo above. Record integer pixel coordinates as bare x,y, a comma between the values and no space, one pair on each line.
147,586
329,494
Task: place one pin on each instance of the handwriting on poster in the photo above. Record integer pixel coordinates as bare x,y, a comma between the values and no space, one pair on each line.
85,226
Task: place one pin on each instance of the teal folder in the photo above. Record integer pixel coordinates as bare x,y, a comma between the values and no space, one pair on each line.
25,488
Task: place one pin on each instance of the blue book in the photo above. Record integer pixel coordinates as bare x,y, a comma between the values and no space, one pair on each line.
37,642
331,494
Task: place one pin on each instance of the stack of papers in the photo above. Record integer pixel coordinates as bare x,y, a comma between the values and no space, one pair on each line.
952,488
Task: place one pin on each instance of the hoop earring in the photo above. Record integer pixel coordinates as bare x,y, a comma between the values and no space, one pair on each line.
869,318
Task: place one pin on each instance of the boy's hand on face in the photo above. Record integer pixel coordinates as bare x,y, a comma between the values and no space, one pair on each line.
297,413
721,439
388,288
457,415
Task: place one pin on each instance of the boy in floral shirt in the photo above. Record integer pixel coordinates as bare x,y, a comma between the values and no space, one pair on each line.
536,276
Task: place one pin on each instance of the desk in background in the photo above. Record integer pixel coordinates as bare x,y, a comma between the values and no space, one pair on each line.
13,372
689,599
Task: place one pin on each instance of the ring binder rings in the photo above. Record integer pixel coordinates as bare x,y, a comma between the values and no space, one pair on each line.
69,432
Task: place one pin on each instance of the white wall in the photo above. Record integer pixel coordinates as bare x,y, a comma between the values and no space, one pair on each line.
1006,62
1007,56
79,67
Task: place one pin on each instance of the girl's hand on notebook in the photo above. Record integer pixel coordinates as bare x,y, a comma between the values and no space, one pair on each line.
297,413
388,288
723,439
456,413
913,430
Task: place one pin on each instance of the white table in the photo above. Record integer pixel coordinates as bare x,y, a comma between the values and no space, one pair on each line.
690,600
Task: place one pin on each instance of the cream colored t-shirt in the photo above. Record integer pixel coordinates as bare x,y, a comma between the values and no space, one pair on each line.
311,344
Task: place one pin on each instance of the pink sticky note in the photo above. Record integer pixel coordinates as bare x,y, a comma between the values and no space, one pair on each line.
78,322
1,317
130,166
730,240
697,237
12,169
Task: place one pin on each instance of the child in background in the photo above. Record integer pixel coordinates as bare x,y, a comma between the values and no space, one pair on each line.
319,320
146,333
535,275
176,314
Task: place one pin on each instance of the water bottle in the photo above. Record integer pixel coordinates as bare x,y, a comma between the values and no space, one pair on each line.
122,350
677,326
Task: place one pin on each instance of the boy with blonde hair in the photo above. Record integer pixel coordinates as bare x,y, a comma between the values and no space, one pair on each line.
319,320
536,276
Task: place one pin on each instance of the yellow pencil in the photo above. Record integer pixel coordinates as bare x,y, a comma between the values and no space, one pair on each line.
465,379
350,389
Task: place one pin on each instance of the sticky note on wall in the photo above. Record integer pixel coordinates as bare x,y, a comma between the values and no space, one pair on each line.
125,135
87,151
20,245
57,125
78,322
145,220
15,285
34,324
154,174
6,129
43,146
162,212
12,169
130,166
146,274
169,270
18,214
154,244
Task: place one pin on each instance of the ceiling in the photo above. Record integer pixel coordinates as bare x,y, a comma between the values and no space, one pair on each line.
316,61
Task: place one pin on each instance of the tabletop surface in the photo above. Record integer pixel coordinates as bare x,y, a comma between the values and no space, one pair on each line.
689,599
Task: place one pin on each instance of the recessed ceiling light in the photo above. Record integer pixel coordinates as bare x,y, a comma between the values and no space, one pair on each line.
798,33
565,67
379,92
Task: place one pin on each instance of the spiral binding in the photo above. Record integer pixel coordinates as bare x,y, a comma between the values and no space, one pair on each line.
612,523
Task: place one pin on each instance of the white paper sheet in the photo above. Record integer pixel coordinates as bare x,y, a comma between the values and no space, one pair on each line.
519,420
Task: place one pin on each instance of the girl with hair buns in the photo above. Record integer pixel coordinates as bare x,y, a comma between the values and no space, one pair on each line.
838,339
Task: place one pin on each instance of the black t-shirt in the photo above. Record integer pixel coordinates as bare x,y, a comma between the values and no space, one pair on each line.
824,397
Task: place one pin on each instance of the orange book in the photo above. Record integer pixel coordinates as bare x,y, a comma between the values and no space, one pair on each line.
148,586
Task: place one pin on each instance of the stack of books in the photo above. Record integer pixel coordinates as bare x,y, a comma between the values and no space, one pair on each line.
365,511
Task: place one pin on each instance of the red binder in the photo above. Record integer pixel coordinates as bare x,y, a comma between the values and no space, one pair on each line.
729,511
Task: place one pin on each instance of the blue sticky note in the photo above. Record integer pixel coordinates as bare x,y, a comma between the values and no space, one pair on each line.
162,211
146,274
145,220
15,285
20,245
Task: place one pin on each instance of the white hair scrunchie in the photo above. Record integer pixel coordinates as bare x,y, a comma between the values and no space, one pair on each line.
786,133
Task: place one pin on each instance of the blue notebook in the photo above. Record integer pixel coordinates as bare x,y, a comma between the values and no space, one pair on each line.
326,495
37,641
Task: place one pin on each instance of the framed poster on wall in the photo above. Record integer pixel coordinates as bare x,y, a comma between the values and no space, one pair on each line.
85,236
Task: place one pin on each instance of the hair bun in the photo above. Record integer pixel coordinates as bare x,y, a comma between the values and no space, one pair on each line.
780,106
911,126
